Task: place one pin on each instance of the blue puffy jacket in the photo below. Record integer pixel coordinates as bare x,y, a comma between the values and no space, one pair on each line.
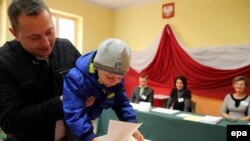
82,82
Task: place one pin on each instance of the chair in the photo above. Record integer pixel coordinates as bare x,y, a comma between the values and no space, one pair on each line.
193,106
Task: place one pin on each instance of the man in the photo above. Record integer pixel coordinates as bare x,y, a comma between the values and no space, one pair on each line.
143,92
32,68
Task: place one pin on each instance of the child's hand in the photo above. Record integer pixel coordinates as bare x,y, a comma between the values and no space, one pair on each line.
90,101
94,139
138,136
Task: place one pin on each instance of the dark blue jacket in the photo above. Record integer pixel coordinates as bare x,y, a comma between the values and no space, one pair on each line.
82,82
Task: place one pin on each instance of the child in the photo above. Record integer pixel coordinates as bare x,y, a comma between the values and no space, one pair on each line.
96,84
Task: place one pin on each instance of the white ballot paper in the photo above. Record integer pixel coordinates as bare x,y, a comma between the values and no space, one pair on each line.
120,131
211,119
165,111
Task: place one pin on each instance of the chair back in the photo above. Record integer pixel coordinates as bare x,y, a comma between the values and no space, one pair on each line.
193,106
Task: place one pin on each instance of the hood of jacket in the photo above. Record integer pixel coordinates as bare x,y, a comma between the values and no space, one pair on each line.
84,62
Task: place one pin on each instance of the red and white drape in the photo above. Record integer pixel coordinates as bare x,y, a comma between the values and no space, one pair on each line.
209,70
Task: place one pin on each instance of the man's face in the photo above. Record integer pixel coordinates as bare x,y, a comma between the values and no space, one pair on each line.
36,33
142,82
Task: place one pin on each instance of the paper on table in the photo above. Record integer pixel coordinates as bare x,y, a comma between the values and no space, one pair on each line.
165,111
193,118
119,131
135,106
183,115
211,119
144,106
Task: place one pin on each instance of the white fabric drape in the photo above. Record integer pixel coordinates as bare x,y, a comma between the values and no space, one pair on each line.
220,57
141,59
225,58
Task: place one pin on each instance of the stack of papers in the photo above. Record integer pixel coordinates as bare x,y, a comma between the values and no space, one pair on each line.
204,119
165,111
193,118
135,106
183,115
211,119
142,106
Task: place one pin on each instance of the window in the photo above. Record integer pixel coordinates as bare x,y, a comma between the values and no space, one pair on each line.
3,23
68,26
1,18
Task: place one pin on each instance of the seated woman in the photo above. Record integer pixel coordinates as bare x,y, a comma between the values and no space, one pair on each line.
143,92
180,96
236,106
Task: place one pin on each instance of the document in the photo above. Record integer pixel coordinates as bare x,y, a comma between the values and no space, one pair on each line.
135,106
145,106
193,118
211,119
204,119
142,106
120,131
165,111
183,115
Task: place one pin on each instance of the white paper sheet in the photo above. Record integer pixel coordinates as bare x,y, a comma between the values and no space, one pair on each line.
144,106
135,106
211,119
165,111
183,115
196,118
120,131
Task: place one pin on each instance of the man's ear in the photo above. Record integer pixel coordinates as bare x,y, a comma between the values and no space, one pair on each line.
13,32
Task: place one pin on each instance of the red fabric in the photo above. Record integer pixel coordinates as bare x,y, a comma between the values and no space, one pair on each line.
171,60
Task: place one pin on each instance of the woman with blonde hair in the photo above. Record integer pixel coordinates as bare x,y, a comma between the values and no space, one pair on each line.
236,106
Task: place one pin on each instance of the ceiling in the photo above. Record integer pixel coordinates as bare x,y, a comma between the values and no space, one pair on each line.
117,4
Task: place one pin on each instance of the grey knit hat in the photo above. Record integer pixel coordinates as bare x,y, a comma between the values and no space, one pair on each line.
113,55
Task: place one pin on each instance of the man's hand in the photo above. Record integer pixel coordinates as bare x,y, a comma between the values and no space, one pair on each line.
138,136
90,101
61,97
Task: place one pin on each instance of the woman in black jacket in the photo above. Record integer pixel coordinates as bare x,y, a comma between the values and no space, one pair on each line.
180,98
